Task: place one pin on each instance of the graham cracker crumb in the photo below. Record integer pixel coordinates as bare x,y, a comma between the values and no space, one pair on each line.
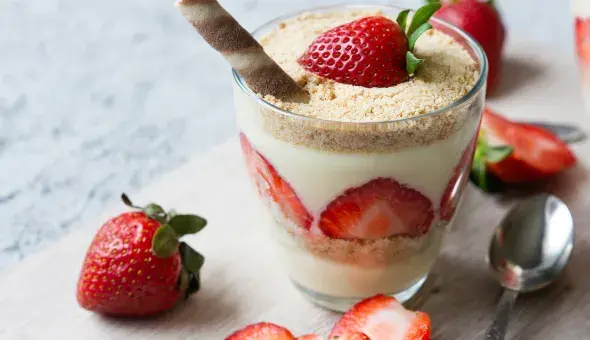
447,74
381,252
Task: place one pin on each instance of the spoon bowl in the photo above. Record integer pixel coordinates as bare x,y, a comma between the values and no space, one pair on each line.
529,249
532,244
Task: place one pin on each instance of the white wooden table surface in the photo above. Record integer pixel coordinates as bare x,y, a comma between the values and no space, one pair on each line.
242,283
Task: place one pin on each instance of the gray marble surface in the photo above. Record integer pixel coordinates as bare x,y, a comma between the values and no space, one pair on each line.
102,97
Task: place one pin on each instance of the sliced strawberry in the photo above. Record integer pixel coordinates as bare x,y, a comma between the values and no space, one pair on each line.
450,199
262,331
274,188
380,208
583,40
383,318
351,336
310,337
537,153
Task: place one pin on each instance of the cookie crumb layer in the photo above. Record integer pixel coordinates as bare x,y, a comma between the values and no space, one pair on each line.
347,118
447,74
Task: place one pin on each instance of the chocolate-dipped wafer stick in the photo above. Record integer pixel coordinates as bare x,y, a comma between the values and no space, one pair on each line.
241,50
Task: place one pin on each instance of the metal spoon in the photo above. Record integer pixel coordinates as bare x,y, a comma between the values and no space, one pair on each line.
567,133
528,251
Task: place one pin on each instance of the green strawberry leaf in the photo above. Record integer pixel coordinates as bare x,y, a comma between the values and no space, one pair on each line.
417,33
478,170
402,19
192,263
156,212
484,155
194,283
422,16
187,224
412,62
165,241
498,153
191,259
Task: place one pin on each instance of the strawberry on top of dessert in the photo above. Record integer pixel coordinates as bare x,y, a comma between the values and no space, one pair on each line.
371,52
361,65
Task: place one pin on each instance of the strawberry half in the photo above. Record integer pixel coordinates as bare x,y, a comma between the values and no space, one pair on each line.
450,198
272,187
370,52
526,152
310,337
380,208
383,318
351,336
136,266
262,331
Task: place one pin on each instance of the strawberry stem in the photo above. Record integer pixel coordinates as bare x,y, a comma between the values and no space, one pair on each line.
127,202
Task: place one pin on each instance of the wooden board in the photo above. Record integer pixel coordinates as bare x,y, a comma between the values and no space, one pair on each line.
242,283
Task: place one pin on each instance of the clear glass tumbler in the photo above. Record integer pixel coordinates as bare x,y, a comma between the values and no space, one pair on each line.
581,13
306,168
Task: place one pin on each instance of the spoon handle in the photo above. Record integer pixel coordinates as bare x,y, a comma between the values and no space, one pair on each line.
497,330
567,133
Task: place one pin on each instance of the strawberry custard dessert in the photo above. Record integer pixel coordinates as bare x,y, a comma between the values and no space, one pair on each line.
581,9
363,179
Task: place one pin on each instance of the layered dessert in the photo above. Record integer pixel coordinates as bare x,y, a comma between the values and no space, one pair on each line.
581,11
362,181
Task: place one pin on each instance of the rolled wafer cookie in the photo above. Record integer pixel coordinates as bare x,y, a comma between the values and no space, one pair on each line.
220,30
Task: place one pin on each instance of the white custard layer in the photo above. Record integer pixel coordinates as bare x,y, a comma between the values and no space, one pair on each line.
318,177
351,280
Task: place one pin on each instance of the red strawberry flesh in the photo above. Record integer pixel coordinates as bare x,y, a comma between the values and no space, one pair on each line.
380,208
537,152
262,331
450,199
271,186
310,337
383,318
582,31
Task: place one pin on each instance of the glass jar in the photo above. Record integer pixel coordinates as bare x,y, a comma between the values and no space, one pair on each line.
303,167
581,13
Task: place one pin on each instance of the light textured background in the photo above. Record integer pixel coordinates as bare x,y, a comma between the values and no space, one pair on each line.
102,97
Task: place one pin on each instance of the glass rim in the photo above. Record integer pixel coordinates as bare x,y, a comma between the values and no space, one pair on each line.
472,93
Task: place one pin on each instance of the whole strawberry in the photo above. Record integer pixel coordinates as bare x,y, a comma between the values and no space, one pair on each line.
370,52
483,22
136,265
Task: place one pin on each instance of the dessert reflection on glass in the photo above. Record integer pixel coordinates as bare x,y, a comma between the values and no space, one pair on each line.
363,176
581,10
